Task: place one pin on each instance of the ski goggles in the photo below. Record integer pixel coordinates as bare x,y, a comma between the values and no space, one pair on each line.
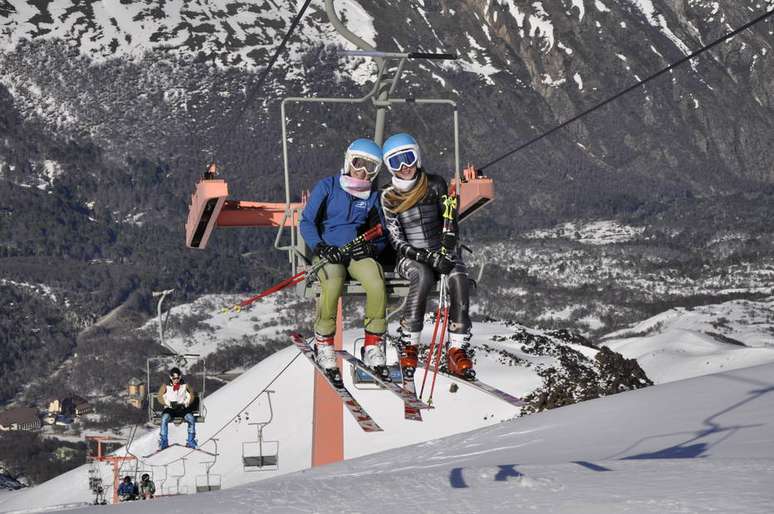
362,164
405,158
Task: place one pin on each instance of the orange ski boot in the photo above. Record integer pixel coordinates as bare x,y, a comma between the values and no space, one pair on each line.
459,364
408,360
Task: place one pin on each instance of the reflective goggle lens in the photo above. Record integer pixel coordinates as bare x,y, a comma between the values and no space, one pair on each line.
406,158
359,163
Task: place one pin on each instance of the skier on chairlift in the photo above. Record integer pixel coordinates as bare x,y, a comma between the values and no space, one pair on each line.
177,398
413,207
339,209
147,487
127,491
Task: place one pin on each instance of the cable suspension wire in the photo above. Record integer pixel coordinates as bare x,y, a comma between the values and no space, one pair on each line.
236,118
628,89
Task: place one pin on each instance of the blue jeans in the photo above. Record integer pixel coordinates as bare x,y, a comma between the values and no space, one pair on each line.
166,417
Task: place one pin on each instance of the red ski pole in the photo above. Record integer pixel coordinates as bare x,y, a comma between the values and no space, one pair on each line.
440,350
431,351
368,235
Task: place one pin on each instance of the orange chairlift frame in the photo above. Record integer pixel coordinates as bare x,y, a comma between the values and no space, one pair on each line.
116,461
210,208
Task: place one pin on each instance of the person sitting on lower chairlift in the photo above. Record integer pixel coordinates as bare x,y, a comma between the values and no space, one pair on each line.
177,399
127,491
147,487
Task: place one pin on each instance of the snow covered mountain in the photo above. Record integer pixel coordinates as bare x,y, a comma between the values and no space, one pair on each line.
108,111
683,343
102,70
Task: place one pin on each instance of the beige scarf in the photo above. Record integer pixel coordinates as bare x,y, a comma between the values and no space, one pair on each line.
397,201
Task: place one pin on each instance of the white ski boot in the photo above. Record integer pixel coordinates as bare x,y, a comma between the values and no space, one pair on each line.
373,355
326,358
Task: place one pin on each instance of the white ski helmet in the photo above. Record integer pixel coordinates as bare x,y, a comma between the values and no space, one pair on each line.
363,154
401,149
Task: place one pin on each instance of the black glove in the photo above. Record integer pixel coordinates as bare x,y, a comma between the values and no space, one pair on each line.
449,241
330,253
441,263
418,254
364,250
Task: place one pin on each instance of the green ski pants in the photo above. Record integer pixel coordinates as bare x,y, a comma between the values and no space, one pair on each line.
369,273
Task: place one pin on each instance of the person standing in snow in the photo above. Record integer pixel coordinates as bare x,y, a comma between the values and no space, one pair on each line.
414,207
177,398
339,209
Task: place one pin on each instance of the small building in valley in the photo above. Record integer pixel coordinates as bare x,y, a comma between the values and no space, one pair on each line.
20,418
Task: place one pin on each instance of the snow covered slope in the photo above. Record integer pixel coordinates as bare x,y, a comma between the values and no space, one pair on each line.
682,343
699,445
229,410
508,356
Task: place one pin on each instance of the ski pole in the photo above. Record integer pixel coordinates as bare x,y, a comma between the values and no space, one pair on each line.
431,351
311,274
444,281
295,279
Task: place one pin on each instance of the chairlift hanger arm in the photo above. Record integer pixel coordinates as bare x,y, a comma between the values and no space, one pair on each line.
210,209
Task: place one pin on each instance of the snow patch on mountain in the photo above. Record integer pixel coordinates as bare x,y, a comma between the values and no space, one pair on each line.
578,4
657,20
210,322
593,233
38,290
229,33
541,27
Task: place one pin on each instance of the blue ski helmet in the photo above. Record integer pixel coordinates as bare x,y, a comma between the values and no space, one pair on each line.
363,153
401,149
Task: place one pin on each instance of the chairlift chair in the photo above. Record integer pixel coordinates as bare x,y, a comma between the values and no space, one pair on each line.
261,455
209,481
177,488
160,366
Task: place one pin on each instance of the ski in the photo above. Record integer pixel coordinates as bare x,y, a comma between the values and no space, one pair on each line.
358,412
409,399
409,412
486,388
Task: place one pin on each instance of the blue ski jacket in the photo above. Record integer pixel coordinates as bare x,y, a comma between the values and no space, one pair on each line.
336,217
127,489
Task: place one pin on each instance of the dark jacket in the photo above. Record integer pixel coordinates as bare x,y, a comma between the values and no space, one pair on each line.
421,225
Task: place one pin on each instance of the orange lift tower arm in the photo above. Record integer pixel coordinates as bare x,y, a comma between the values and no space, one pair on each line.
209,208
